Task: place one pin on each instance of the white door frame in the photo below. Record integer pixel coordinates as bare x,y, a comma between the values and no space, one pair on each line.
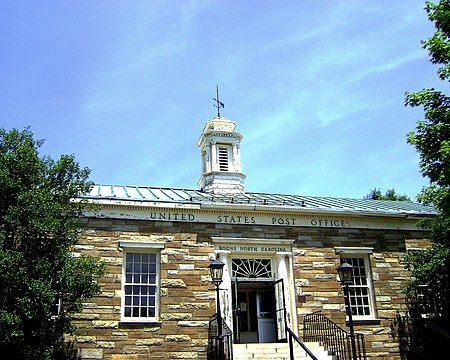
282,268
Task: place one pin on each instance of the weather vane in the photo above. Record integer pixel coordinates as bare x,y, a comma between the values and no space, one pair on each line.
218,104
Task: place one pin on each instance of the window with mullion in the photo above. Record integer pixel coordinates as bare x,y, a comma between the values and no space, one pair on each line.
361,297
140,285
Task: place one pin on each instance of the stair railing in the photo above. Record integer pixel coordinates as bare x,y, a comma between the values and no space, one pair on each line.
291,337
318,328
214,342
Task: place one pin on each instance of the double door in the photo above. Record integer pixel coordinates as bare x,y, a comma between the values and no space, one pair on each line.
259,311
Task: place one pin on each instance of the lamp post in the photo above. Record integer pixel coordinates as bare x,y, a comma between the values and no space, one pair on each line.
216,270
345,272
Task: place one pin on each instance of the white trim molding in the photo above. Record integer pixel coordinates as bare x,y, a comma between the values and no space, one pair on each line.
140,244
353,250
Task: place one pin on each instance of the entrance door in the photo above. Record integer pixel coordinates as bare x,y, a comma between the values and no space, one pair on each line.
266,311
256,312
245,325
280,312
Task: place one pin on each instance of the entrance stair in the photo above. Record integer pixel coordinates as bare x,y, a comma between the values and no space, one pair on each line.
277,351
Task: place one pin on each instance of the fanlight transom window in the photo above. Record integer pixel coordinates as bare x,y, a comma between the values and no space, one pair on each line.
251,268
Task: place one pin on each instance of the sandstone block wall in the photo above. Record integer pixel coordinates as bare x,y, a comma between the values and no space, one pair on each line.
318,287
187,298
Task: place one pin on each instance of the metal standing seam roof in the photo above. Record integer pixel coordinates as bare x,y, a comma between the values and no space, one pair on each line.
190,196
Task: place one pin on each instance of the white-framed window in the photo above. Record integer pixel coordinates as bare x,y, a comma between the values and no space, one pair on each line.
362,299
140,281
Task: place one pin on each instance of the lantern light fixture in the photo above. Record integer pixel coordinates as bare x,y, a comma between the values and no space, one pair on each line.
216,271
345,272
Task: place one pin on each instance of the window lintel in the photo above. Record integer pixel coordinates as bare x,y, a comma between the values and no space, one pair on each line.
140,244
353,250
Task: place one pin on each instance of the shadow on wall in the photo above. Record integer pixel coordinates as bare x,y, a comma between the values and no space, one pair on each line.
422,333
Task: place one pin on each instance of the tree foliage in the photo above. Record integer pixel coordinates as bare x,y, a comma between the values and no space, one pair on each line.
432,140
38,229
390,194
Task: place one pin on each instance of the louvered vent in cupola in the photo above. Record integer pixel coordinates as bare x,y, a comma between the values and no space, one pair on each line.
223,159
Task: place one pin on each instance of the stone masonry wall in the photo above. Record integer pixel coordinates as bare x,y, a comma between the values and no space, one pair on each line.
318,287
187,300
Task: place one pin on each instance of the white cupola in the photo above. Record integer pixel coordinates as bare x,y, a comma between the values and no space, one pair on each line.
221,158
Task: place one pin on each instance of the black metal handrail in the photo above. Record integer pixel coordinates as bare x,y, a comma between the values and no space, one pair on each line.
291,337
318,328
214,341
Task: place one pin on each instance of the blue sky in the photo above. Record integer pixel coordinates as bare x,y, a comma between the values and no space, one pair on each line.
316,88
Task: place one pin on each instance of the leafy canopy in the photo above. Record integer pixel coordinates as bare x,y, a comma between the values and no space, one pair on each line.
432,140
390,194
38,229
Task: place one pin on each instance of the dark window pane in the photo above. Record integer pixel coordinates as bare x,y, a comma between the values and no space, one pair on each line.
144,290
143,312
136,278
127,311
128,289
136,312
127,300
129,267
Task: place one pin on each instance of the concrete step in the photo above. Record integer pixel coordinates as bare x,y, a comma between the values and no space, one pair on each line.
264,351
276,351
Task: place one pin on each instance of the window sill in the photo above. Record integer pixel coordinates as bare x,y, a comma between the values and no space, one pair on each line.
150,323
364,322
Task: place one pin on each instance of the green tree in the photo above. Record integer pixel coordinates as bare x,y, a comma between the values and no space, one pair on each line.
42,284
428,291
432,140
390,194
